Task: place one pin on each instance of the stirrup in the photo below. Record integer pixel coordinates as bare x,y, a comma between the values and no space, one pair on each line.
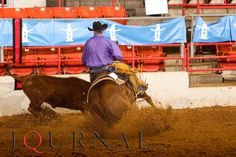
141,89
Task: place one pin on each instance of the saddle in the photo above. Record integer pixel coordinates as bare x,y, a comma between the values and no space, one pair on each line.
102,76
121,73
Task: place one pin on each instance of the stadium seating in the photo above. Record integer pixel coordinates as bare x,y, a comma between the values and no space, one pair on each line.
13,13
127,54
1,16
29,59
46,61
71,56
74,69
227,50
71,60
149,55
28,65
63,12
227,66
22,70
49,70
38,12
87,12
112,12
8,56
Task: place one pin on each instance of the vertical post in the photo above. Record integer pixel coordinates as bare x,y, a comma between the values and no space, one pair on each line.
183,55
183,7
2,54
191,42
191,49
113,3
59,61
2,3
198,6
182,50
133,57
184,59
17,46
59,3
188,58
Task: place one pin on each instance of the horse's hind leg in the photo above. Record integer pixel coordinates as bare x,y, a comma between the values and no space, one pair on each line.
148,99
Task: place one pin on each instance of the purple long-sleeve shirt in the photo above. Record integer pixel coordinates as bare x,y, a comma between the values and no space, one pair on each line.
99,51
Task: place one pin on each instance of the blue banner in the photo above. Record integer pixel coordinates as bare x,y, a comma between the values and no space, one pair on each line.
6,34
233,27
37,33
213,32
71,32
171,31
59,32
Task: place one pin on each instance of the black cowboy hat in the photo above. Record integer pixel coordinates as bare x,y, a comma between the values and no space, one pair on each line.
97,26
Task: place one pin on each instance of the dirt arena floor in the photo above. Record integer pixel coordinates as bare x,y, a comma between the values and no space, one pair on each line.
164,132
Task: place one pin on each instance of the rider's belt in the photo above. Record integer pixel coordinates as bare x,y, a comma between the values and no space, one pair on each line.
98,69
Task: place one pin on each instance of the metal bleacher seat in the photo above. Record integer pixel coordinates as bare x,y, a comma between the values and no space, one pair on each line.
13,13
69,57
148,55
8,55
110,11
113,12
27,66
29,60
127,54
48,70
38,12
47,61
227,50
22,70
63,12
87,12
73,69
1,16
72,61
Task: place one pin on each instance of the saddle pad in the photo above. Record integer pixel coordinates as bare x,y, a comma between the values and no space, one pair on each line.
98,80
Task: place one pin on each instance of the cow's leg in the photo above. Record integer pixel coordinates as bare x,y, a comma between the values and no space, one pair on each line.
147,98
36,98
35,107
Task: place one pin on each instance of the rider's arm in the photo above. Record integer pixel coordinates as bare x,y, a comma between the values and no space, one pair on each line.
116,52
